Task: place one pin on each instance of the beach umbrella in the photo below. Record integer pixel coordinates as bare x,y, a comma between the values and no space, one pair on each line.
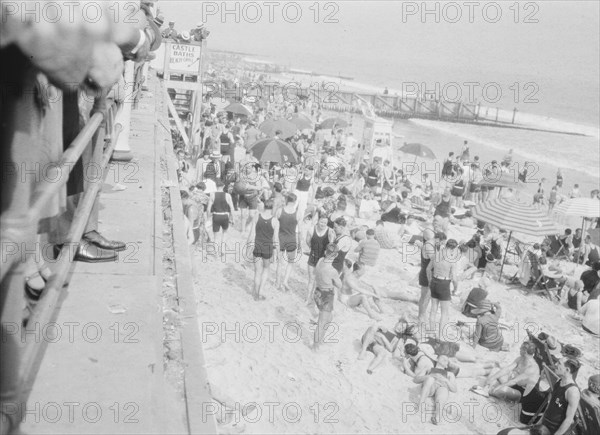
301,121
334,122
219,103
580,207
273,150
239,109
269,127
510,214
418,150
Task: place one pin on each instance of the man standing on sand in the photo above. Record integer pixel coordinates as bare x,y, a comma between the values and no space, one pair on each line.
220,208
517,379
327,279
289,241
427,253
263,234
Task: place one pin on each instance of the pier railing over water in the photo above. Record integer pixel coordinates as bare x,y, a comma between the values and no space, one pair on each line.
387,106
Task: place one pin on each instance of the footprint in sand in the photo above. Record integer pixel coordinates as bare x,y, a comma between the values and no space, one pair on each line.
235,276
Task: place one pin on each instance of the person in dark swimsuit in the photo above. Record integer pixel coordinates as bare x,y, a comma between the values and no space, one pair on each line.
220,207
317,240
531,402
559,416
379,340
263,234
289,244
427,252
343,241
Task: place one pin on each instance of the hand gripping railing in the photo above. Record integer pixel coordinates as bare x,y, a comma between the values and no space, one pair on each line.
44,311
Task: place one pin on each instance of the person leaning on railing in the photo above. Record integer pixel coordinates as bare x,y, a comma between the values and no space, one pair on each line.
39,60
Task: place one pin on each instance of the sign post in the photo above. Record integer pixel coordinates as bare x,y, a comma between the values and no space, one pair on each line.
183,60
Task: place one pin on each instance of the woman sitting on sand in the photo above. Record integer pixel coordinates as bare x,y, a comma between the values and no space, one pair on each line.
353,294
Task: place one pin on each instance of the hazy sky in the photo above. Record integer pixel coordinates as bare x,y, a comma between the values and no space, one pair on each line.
382,41
566,32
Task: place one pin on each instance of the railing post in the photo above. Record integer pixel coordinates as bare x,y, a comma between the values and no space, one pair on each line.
122,150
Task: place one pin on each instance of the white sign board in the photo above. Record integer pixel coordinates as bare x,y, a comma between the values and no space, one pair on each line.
184,58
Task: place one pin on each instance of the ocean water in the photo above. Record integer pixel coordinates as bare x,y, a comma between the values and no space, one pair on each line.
548,70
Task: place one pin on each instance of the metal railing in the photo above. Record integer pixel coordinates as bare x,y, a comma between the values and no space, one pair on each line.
15,229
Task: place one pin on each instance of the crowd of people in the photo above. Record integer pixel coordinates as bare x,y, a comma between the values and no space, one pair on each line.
337,206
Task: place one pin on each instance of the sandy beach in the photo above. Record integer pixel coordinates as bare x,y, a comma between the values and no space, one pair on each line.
261,367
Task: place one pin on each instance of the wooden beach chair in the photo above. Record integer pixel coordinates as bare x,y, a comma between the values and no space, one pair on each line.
542,356
552,378
587,418
556,248
541,282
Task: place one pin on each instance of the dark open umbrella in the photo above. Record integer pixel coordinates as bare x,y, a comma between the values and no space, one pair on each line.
273,150
239,109
269,127
418,150
301,121
334,122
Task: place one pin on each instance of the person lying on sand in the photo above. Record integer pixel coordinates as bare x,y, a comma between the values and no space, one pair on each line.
516,379
434,349
353,293
379,340
416,362
437,384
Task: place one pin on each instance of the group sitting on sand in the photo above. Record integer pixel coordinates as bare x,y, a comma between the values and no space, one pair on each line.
341,222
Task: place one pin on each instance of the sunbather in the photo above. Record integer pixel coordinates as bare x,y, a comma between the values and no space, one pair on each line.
437,384
516,379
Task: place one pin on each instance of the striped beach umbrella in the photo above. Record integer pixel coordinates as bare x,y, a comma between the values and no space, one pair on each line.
510,214
273,150
581,207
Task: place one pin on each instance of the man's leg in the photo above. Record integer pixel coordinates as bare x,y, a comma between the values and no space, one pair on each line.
266,266
440,399
506,393
257,277
424,303
367,338
380,352
324,319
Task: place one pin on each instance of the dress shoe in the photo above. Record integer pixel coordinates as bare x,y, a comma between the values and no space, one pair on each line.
100,241
90,253
121,156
